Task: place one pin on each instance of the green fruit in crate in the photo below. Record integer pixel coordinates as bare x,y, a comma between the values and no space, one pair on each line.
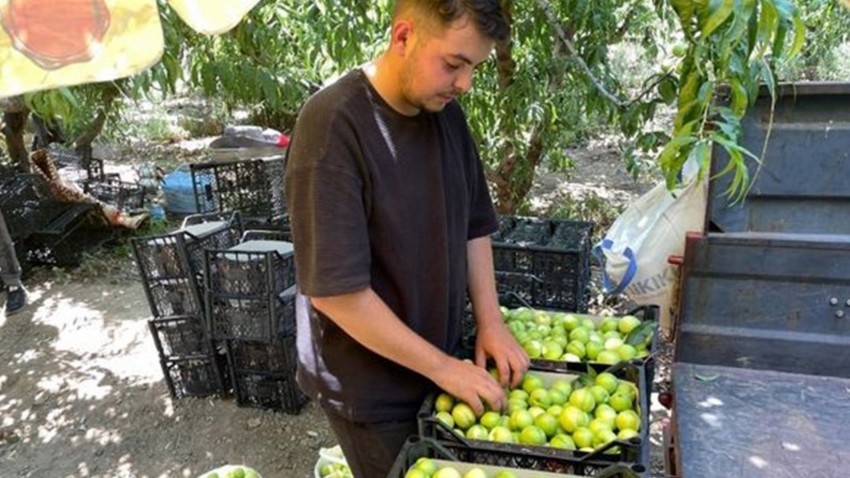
475,473
555,410
540,398
627,388
611,343
536,411
607,381
608,325
583,437
477,432
577,348
570,322
444,403
501,434
534,348
542,318
516,404
620,401
583,399
571,358
626,352
426,465
505,474
597,425
463,416
628,323
627,434
557,397
581,334
603,437
518,394
547,423
572,418
447,472
588,324
532,435
608,357
490,419
520,419
592,349
562,441
606,413
531,382
600,394
416,473
563,386
628,420
552,350
446,418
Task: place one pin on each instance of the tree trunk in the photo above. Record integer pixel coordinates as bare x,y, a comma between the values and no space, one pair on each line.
83,143
13,129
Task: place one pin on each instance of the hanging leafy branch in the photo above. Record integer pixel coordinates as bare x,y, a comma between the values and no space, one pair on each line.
735,44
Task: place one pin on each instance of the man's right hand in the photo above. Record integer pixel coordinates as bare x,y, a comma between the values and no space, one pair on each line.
471,384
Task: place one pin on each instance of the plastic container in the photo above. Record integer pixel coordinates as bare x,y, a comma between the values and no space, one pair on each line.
525,463
179,192
327,456
634,450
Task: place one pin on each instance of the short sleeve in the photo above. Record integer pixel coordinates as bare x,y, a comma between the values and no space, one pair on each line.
325,198
482,216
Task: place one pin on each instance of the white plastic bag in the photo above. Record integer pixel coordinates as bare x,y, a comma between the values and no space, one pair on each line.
331,456
634,252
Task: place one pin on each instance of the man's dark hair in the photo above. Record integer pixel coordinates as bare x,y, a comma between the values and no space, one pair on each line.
487,15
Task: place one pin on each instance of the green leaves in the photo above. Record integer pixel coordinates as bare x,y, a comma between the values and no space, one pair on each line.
740,43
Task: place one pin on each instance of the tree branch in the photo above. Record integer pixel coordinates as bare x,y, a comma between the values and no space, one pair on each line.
571,48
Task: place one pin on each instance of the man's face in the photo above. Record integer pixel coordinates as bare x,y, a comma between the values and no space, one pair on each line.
440,65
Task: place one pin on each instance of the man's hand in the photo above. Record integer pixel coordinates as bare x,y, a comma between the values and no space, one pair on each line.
495,340
471,384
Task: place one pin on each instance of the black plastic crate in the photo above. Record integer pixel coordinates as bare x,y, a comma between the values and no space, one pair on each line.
268,391
543,460
275,356
27,204
546,261
251,294
171,265
250,319
125,196
192,377
79,228
180,337
634,450
252,186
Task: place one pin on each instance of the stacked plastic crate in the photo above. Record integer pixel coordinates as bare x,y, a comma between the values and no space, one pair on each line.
540,262
253,186
171,268
250,305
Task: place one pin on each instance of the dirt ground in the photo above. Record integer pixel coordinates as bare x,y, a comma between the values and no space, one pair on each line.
82,393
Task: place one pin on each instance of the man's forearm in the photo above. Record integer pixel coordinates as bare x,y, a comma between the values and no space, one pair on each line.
482,281
367,318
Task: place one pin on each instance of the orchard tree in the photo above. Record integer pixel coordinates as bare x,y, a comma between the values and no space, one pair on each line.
551,84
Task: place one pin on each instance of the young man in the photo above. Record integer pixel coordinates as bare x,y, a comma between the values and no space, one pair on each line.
391,220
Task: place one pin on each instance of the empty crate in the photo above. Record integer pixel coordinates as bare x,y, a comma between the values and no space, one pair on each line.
250,291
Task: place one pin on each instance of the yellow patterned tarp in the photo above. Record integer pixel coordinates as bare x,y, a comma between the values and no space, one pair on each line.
51,43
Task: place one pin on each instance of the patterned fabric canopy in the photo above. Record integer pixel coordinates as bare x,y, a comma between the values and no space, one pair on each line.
50,43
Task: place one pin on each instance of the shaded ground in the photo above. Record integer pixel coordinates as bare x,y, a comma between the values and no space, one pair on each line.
81,389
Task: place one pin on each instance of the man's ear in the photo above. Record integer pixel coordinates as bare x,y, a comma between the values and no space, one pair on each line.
402,37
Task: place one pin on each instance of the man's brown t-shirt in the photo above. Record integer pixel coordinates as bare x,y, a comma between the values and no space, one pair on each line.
389,201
